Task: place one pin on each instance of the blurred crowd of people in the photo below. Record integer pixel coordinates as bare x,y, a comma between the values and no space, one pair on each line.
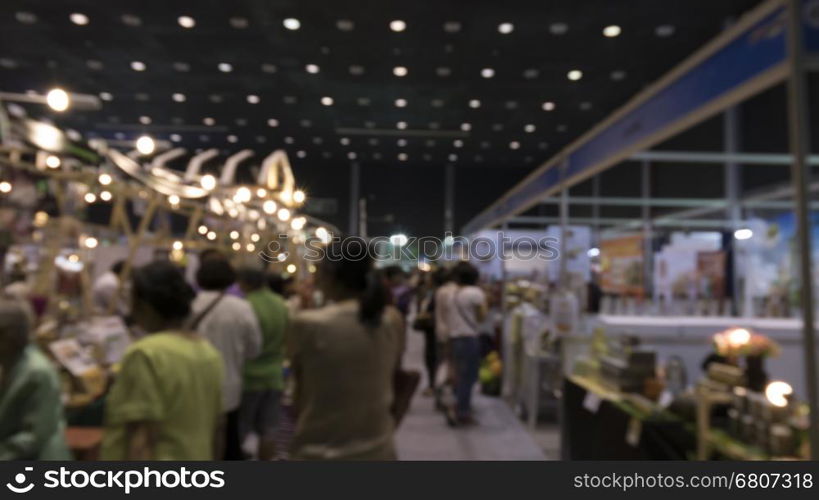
206,377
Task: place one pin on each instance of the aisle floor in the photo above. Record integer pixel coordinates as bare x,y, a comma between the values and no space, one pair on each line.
424,435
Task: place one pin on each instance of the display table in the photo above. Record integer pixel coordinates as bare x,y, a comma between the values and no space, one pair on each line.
690,339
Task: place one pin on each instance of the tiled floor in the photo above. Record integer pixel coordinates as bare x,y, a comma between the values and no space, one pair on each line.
500,435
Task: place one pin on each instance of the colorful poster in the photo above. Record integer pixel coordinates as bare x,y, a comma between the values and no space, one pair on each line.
711,274
621,266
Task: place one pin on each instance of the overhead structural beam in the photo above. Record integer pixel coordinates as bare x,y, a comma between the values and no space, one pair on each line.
711,203
719,157
636,222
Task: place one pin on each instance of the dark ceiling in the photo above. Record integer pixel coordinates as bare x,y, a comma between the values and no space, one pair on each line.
402,150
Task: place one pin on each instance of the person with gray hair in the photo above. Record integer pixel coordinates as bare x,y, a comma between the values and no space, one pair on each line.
31,413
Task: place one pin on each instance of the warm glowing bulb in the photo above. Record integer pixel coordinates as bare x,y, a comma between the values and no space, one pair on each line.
291,268
53,161
284,214
90,197
281,257
106,196
298,223
90,242
105,179
5,187
236,246
777,393
575,75
173,199
250,247
211,235
208,182
323,234
299,196
269,207
255,237
234,235
58,99
203,229
243,195
261,192
145,145
739,336
612,31
177,245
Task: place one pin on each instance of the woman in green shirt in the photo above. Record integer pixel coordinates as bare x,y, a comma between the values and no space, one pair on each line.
166,401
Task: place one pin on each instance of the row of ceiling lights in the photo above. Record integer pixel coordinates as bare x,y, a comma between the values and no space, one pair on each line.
396,25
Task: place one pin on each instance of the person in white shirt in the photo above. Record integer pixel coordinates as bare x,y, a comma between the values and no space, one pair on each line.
230,324
106,291
466,310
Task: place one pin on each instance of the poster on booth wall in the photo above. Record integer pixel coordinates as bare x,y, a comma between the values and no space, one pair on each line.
711,274
621,266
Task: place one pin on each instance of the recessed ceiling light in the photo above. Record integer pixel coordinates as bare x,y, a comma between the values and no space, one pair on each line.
401,103
585,105
301,153
531,73
318,140
562,128
241,122
401,125
239,23
186,21
292,23
466,127
453,157
398,25
363,101
142,97
399,71
559,28
351,155
612,31
26,17
178,97
529,128
209,121
289,140
131,20
312,68
182,67
356,70
511,105
487,72
443,71
486,144
548,106
430,143
458,143
474,104
94,64
138,66
215,98
11,63
176,137
664,30
506,28
452,26
290,99
401,143
369,124
373,141
497,127
344,141
327,101
345,25
232,139
79,18
268,68
574,75
145,120
253,99
514,145
305,123
618,75
402,157
437,103
225,67
106,96
434,125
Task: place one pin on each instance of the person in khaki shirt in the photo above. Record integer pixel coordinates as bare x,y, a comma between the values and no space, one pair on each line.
344,357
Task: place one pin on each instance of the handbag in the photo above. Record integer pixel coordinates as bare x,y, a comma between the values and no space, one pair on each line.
404,385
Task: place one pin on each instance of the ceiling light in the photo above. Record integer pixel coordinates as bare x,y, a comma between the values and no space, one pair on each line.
487,72
356,70
664,30
211,235
203,229
443,71
344,141
401,143
269,207
400,103
327,101
239,23
506,28
530,73
452,26
458,143
26,17
292,23
253,99
301,154
186,21
593,252
182,67
402,156
312,68
618,75
272,122
234,235
289,140
105,179
79,19
474,104
145,145
268,68
399,71
232,139
351,155
529,128
283,214
299,196
398,25
5,187
178,97
176,137
90,197
345,25
106,196
743,234
559,28
225,67
497,127
401,125
514,145
575,75
52,161
173,199
298,223
138,66
209,121
453,157
58,99
145,120
466,127
612,31
548,106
